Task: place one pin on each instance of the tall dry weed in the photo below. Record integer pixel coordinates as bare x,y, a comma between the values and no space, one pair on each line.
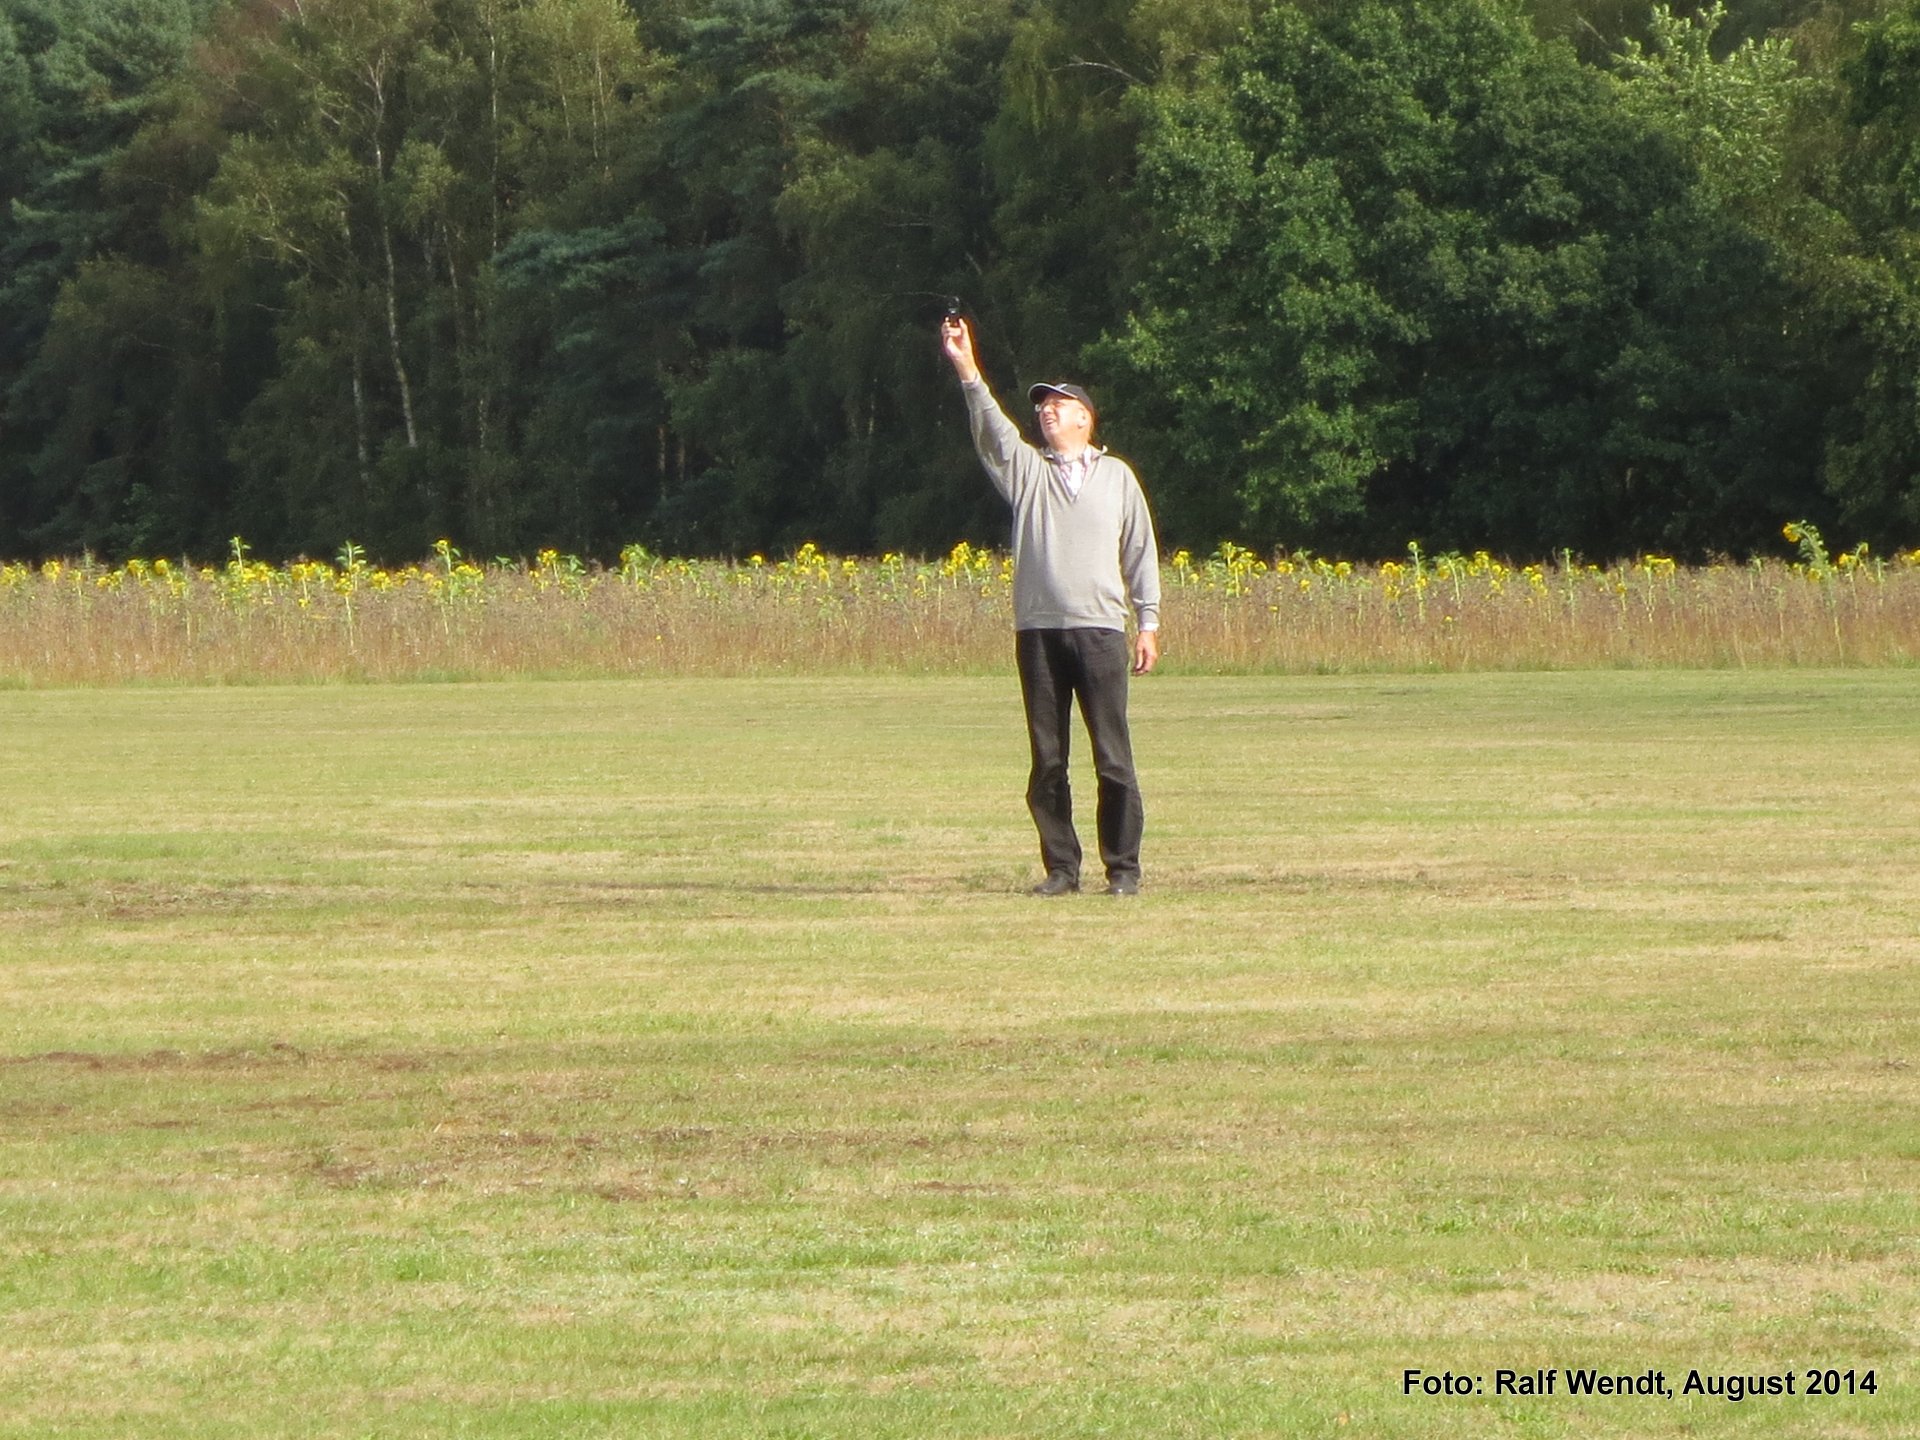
82,623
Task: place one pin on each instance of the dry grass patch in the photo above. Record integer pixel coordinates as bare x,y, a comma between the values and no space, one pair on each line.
685,1058
80,622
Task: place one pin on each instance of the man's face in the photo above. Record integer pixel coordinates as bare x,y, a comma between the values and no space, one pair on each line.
1066,423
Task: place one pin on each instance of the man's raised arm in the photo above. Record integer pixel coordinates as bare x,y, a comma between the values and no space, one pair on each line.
996,439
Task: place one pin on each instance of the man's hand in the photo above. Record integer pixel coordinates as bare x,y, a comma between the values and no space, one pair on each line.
1146,651
956,338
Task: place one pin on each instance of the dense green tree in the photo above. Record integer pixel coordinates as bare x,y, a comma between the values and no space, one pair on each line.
1732,114
1873,289
1600,31
18,107
77,80
752,324
1063,149
1424,275
579,272
385,154
890,215
1595,29
779,144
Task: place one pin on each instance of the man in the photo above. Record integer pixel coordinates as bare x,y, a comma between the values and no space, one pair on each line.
1084,562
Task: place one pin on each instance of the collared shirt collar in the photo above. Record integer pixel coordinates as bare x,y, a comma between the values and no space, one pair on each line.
1074,472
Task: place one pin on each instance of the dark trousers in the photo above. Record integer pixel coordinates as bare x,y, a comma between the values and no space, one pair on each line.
1056,666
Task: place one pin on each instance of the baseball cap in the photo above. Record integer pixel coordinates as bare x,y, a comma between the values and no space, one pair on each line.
1072,392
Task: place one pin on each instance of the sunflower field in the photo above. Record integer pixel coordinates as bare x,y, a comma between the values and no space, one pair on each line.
80,622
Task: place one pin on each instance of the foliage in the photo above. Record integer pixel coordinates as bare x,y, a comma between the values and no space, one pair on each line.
1873,464
1734,114
534,273
1420,269
77,82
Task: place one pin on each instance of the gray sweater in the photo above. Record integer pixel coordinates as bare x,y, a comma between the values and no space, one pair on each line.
1078,561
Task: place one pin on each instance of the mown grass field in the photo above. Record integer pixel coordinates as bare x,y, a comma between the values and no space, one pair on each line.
682,1058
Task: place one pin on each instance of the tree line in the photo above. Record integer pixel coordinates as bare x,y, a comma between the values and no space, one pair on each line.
1570,274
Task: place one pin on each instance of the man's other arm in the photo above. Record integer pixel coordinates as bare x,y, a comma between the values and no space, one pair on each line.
1140,565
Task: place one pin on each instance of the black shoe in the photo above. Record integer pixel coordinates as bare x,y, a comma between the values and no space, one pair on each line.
1123,885
1058,883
